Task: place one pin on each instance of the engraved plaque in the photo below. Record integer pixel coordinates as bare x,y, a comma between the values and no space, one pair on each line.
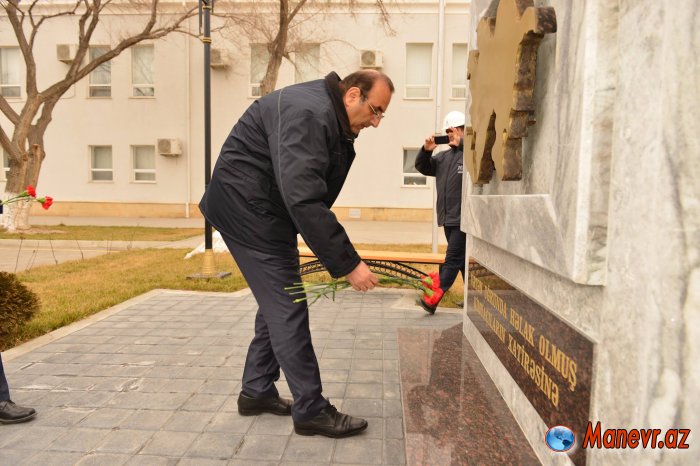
549,360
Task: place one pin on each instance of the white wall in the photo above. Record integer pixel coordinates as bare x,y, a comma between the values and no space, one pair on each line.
177,109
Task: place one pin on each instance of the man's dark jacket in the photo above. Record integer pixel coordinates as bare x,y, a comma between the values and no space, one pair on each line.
281,169
446,167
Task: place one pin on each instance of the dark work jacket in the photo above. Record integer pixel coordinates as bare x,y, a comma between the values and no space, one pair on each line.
280,171
446,167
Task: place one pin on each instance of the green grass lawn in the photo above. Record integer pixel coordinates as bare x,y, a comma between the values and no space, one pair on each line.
93,233
73,290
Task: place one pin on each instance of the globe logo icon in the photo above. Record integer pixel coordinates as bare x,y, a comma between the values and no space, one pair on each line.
560,438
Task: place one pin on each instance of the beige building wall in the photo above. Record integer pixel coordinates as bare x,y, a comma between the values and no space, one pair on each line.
374,188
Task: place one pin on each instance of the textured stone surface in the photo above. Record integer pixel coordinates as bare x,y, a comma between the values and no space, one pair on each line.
604,228
163,389
453,412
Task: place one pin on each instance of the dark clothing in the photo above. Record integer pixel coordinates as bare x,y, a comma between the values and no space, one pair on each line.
454,257
281,169
446,167
282,334
4,387
278,173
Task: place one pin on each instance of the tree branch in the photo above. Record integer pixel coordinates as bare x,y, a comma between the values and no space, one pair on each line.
12,8
36,25
296,10
46,115
76,73
8,111
5,141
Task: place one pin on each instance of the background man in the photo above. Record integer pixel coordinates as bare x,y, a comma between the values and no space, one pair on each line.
447,168
10,413
278,174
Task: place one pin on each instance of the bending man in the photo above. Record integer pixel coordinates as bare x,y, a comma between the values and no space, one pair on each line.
278,174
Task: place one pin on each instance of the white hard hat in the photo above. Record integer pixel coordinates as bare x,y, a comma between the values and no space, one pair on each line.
453,120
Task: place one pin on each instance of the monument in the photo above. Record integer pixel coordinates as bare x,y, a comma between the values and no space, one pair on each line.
582,204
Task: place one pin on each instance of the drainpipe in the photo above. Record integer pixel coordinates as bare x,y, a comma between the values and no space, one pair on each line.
188,119
438,106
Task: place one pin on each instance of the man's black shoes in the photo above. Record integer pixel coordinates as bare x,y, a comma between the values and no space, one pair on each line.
331,423
248,406
10,413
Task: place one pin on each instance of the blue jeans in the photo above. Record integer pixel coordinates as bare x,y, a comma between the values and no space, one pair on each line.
4,388
454,257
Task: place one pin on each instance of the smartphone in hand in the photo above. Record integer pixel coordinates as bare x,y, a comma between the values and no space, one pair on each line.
442,139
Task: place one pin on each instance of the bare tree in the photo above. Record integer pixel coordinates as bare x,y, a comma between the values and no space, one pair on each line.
280,35
24,139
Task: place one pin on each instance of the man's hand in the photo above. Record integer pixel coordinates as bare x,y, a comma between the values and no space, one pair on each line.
429,143
362,278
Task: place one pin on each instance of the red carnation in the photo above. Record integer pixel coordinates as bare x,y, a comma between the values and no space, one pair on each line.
435,277
434,299
432,280
46,202
31,191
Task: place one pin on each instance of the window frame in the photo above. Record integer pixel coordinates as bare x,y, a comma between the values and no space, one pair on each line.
304,50
429,86
135,170
92,86
18,84
415,174
5,168
253,85
453,86
92,170
151,85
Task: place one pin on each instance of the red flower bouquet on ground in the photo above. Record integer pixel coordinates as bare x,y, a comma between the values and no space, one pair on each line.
28,195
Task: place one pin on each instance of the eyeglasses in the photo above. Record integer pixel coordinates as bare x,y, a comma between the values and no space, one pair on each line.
379,115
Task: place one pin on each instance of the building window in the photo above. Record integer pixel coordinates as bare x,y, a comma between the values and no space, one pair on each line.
259,57
419,66
411,176
306,63
101,78
142,71
144,163
5,165
10,79
460,55
101,163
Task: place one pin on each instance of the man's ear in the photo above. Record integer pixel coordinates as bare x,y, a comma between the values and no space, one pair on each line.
352,95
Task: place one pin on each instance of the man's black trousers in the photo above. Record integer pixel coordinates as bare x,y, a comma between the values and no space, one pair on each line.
282,334
4,388
454,257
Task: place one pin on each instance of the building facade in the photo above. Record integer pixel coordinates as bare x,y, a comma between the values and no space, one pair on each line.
129,139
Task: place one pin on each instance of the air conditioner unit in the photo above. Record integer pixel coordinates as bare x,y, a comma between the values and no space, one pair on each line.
370,59
66,52
169,147
220,58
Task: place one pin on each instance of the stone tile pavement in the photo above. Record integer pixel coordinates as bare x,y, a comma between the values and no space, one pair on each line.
154,381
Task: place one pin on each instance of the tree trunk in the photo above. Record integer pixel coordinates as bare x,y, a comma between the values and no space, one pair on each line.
15,216
277,49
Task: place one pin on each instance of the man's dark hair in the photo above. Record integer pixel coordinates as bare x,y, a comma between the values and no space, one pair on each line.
364,79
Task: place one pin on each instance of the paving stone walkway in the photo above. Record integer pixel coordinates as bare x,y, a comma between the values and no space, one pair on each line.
154,381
